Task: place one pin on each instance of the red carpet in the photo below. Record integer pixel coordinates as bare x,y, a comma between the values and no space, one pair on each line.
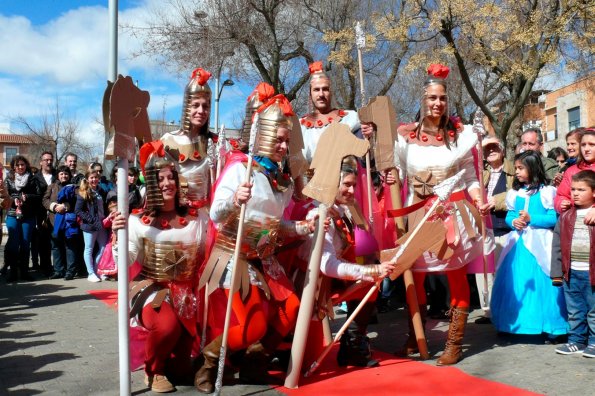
395,376
109,297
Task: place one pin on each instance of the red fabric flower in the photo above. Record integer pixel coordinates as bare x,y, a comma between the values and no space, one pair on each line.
164,223
234,143
451,133
412,135
342,113
319,122
182,221
145,219
315,67
330,119
182,157
438,70
309,124
201,76
439,138
192,212
196,154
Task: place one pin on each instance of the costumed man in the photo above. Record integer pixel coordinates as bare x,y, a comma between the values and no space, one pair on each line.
191,141
338,262
168,240
313,126
265,309
324,113
428,152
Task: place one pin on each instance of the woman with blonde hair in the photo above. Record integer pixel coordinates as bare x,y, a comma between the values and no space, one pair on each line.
90,210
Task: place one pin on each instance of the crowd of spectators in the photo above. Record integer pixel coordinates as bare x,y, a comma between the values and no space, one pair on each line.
55,217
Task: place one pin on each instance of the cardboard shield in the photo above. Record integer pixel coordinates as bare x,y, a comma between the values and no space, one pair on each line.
381,112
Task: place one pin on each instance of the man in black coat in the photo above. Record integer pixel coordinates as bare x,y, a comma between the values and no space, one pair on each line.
41,249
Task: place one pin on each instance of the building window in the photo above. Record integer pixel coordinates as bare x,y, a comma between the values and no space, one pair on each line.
9,152
574,118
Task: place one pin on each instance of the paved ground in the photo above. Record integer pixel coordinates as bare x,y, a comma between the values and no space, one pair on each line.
55,339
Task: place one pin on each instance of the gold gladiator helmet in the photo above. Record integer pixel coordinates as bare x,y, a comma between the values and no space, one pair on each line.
261,94
275,113
197,86
153,158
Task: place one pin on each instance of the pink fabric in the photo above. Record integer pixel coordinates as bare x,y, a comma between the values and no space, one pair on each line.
563,191
366,242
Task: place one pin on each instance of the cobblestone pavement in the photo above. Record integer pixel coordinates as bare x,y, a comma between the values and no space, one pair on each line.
56,339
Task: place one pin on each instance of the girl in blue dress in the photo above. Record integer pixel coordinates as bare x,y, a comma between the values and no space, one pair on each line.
523,298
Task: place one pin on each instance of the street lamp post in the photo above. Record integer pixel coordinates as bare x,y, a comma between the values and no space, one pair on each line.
218,89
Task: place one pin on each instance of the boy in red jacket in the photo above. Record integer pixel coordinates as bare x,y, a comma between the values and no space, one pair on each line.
573,266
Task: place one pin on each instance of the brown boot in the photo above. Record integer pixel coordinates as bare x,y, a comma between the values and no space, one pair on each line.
204,379
253,369
410,346
453,352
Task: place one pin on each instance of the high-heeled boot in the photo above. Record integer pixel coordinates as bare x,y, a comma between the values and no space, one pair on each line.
453,350
410,346
204,379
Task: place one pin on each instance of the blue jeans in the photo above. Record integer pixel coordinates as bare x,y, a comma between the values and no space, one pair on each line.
18,244
64,254
580,303
90,238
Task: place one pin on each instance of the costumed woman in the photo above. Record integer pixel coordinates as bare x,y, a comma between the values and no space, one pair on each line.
265,309
191,141
338,264
427,152
168,240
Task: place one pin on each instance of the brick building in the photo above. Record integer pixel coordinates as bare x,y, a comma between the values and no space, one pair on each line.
568,108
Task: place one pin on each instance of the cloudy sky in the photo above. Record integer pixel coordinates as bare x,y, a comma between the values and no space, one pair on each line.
57,50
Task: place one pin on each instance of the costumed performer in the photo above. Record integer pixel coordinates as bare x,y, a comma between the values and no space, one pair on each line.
168,240
191,141
265,308
433,149
338,264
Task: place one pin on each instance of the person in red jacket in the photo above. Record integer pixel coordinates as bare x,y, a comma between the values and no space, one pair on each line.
586,160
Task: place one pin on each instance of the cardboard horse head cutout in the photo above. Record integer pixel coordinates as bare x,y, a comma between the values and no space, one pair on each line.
125,118
336,143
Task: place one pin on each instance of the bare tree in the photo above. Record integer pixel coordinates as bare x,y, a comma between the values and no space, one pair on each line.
271,41
55,133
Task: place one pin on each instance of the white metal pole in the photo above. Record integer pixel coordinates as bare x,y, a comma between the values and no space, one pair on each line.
123,311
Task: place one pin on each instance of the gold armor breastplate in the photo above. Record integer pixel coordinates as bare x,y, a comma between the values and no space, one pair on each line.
259,239
169,261
191,150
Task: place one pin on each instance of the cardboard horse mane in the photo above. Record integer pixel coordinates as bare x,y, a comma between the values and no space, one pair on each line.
125,118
